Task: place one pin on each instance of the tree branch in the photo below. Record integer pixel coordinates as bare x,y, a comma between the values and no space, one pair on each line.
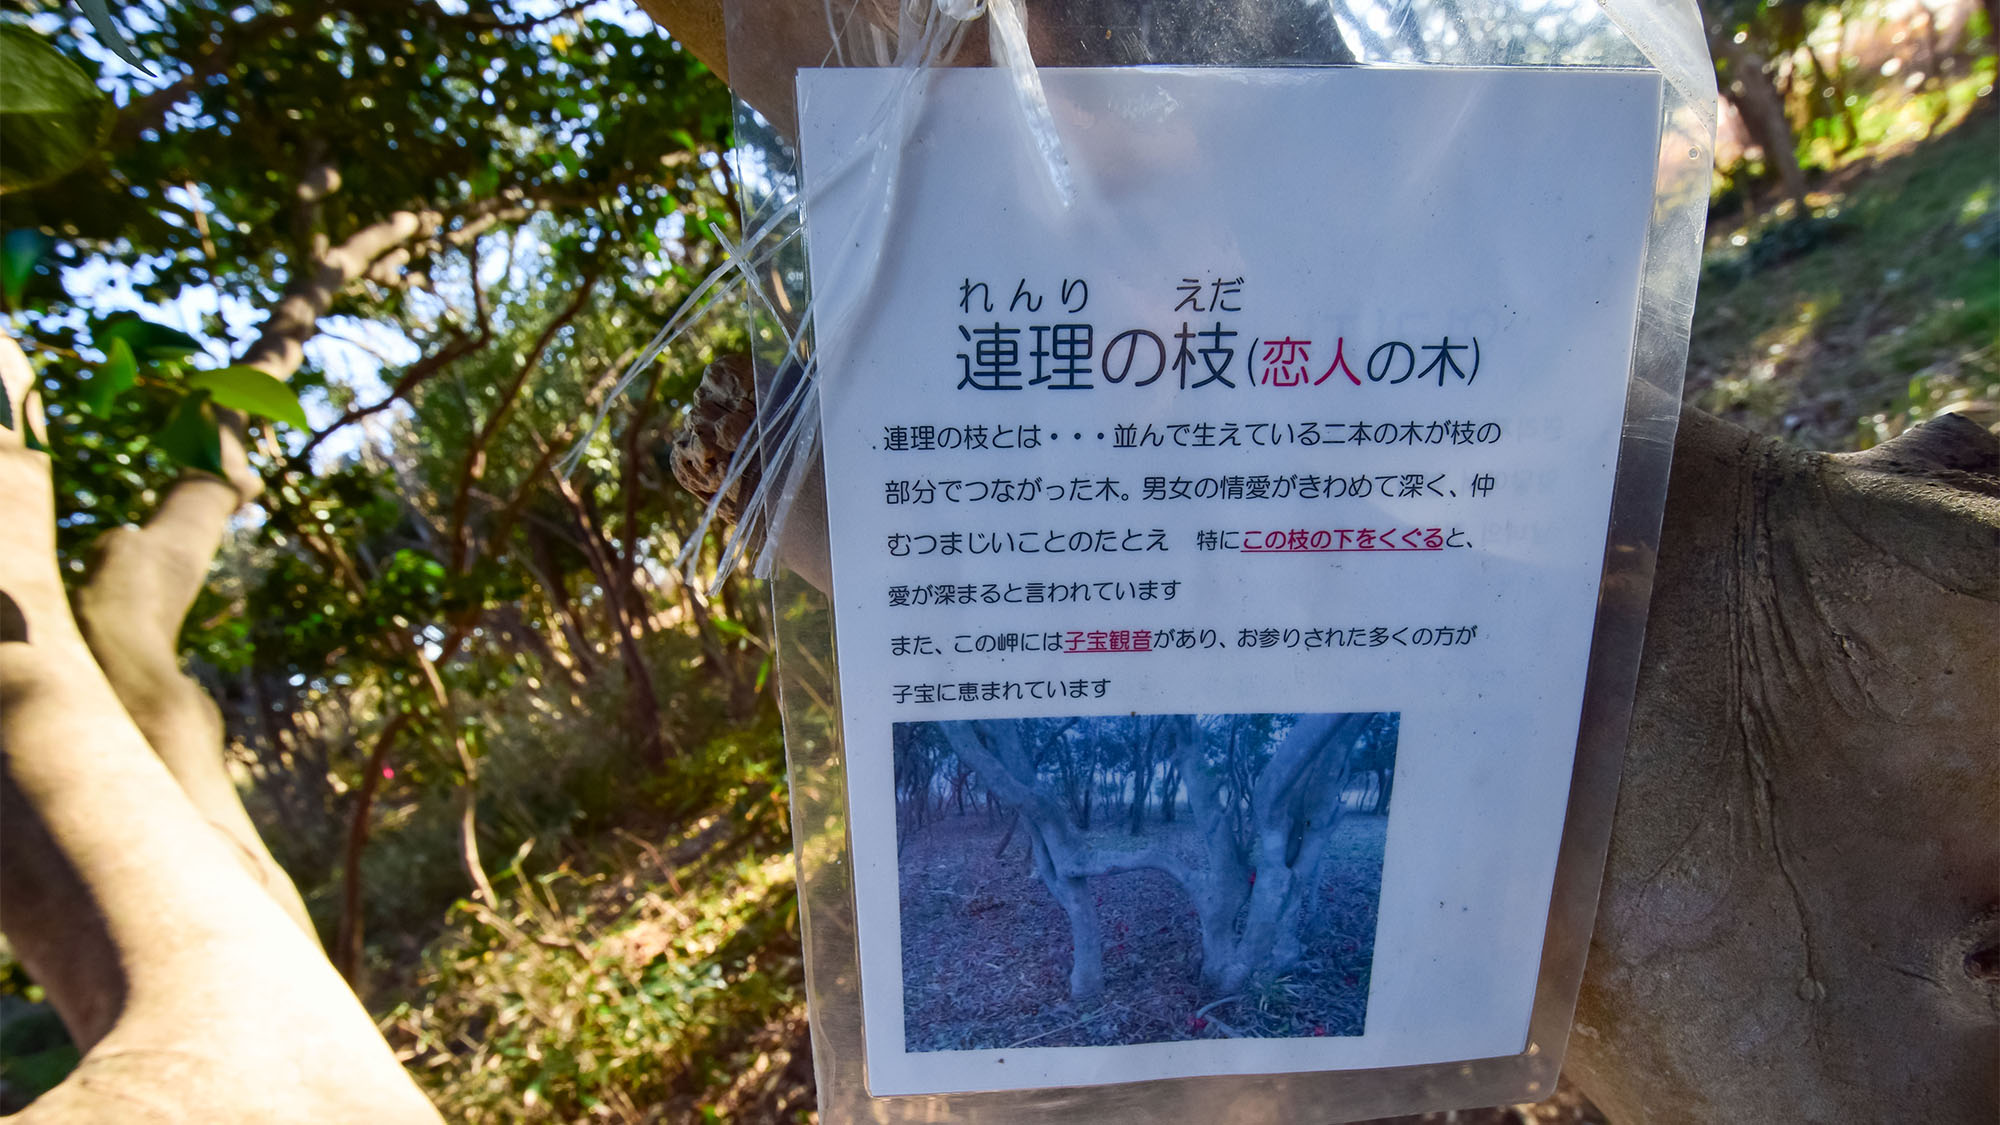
280,348
468,793
128,907
130,614
474,465
413,376
347,942
146,578
1304,746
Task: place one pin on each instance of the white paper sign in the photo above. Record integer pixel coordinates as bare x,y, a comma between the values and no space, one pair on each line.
1215,559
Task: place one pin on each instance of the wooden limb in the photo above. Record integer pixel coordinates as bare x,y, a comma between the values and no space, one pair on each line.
1072,895
146,578
180,976
541,566
1092,862
280,347
1013,825
1800,920
130,612
413,376
347,941
1305,745
1750,90
474,465
643,703
468,793
1001,770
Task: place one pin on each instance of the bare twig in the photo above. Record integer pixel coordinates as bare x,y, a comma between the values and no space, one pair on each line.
1077,1022
413,376
1214,1004
474,465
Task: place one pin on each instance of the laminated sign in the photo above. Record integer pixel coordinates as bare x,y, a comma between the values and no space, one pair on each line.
1221,467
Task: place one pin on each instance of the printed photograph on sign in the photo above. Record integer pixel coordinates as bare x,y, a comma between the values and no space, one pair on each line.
1123,879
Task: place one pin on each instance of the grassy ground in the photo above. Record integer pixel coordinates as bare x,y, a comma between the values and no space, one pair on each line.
653,976
1841,330
986,951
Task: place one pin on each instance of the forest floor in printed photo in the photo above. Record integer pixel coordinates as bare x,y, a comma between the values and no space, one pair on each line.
986,950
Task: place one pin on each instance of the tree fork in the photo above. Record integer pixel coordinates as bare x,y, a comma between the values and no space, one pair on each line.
192,993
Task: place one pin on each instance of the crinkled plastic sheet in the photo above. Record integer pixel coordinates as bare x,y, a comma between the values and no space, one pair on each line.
769,41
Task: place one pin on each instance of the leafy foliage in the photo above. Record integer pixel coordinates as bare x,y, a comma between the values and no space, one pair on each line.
252,392
51,115
19,251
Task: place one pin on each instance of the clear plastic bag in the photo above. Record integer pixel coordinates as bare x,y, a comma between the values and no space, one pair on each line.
1034,107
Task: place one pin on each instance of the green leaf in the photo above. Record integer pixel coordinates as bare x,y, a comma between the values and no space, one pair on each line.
52,116
149,342
253,392
6,410
42,1071
19,251
115,376
107,31
191,435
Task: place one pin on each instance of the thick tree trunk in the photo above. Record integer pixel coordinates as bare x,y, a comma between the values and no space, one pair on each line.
1293,809
130,615
118,805
1086,934
1750,90
1801,913
145,578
